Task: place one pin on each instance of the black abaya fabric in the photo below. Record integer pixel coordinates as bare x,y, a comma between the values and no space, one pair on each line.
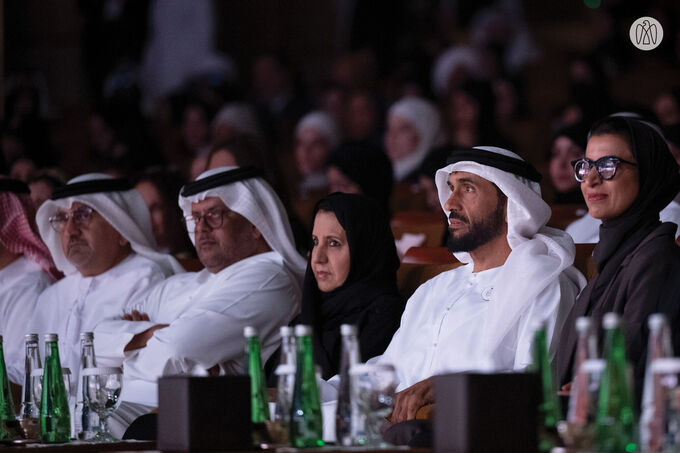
368,298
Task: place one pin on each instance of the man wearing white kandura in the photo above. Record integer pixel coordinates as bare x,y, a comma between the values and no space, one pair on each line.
98,230
517,271
193,323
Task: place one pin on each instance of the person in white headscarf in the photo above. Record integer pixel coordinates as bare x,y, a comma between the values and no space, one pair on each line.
98,231
413,129
517,272
233,119
316,135
453,66
193,323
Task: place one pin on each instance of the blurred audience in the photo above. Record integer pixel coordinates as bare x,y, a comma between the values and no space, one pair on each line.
413,128
567,145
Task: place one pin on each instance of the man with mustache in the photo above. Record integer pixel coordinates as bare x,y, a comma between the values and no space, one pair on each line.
98,231
517,272
193,323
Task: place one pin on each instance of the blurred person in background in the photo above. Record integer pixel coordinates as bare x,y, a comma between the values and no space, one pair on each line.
667,107
159,188
471,115
413,128
362,116
361,168
567,145
43,182
316,135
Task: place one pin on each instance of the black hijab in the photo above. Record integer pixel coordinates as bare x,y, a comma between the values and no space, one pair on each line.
370,290
367,166
658,182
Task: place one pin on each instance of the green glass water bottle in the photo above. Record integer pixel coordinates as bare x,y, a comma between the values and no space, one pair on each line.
549,411
6,403
258,384
615,424
55,419
306,426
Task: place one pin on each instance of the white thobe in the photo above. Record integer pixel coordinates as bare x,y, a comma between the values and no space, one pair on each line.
76,304
586,230
441,325
21,282
206,314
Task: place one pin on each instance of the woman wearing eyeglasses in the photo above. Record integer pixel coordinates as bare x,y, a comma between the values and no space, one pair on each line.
627,176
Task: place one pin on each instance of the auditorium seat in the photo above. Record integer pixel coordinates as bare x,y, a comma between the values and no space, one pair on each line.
407,196
583,260
428,255
410,276
564,214
431,224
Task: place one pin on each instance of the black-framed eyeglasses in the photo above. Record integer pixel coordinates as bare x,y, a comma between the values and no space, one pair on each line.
214,218
604,166
80,216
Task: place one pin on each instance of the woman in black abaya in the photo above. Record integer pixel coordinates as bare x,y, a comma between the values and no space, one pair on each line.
627,177
351,279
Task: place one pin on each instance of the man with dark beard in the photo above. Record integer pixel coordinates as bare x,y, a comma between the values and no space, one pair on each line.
480,316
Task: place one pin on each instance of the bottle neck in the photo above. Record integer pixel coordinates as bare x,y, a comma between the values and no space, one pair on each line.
350,352
305,356
32,357
88,359
51,350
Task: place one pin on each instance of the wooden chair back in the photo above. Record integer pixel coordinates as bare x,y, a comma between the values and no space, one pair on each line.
431,224
583,260
421,264
564,214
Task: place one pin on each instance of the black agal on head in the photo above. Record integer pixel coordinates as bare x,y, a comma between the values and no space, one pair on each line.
92,186
220,179
13,185
499,161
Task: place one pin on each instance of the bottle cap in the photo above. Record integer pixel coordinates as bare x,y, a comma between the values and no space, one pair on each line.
656,320
302,330
32,337
348,329
286,331
249,332
51,337
611,320
87,336
582,323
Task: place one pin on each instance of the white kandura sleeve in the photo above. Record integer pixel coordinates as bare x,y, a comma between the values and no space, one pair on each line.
112,334
551,306
212,332
14,320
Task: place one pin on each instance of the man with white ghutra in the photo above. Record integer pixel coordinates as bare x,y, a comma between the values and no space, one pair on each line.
193,323
480,316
